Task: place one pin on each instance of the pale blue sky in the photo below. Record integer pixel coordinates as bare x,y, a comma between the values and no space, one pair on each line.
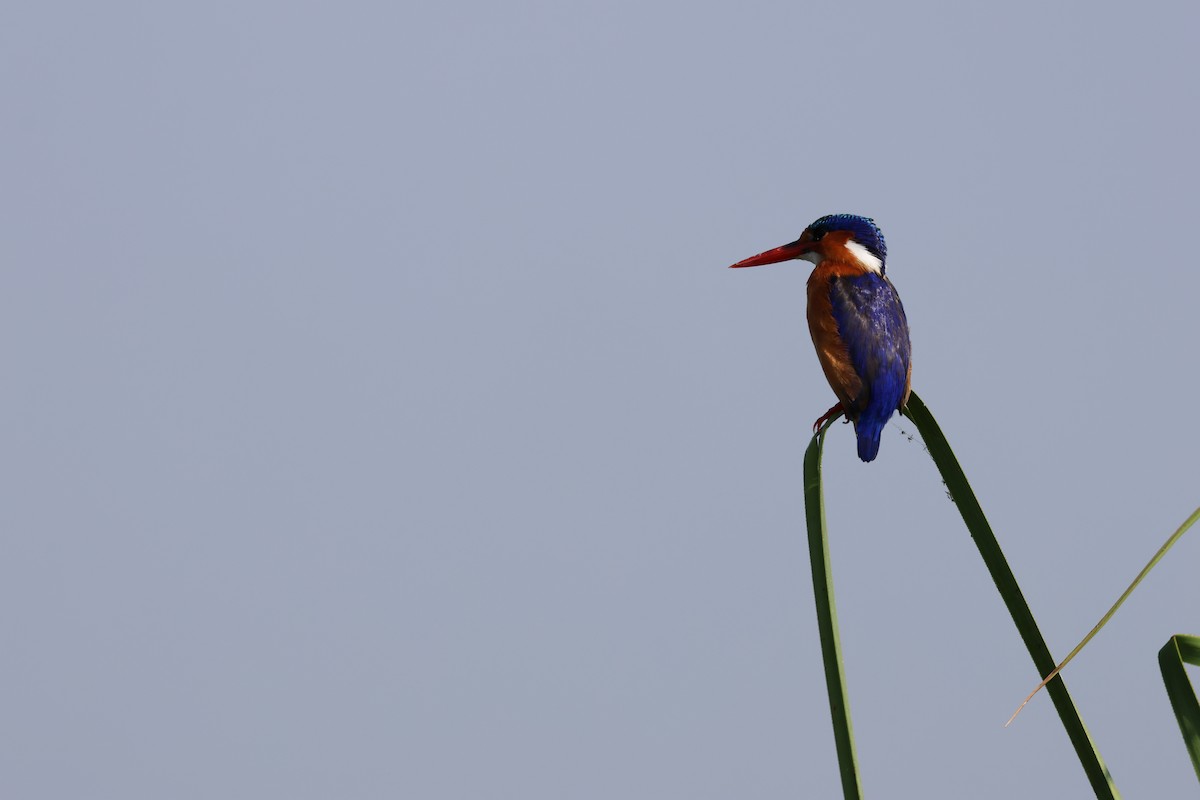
381,419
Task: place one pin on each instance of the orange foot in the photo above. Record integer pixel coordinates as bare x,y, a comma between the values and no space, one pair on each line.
828,415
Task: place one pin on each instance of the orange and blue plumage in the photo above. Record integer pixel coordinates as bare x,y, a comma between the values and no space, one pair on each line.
856,320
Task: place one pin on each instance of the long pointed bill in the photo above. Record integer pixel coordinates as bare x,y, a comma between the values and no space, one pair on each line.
796,249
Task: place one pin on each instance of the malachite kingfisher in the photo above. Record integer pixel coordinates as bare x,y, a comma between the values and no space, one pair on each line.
856,320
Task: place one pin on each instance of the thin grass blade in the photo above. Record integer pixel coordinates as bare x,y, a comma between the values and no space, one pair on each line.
1162,551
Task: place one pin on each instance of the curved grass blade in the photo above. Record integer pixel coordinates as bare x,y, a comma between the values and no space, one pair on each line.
972,514
1179,650
1162,551
831,647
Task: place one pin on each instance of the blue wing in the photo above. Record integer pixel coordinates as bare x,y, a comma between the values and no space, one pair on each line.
872,324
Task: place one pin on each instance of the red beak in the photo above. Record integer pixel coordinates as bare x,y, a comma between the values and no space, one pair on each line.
789,251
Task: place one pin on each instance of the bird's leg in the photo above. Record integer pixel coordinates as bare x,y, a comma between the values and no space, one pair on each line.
828,415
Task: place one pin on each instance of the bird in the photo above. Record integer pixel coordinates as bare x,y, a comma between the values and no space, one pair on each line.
856,320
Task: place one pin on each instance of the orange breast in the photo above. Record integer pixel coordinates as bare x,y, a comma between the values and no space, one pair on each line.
831,350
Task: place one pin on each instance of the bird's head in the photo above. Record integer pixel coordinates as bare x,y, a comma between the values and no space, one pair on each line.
846,238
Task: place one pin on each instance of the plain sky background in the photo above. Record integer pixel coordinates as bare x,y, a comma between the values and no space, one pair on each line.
380,419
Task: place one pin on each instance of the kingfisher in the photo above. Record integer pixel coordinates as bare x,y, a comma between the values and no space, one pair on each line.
856,320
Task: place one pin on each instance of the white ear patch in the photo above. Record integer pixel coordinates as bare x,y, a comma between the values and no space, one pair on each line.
865,257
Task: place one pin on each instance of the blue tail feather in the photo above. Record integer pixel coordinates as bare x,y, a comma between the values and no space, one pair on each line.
869,431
